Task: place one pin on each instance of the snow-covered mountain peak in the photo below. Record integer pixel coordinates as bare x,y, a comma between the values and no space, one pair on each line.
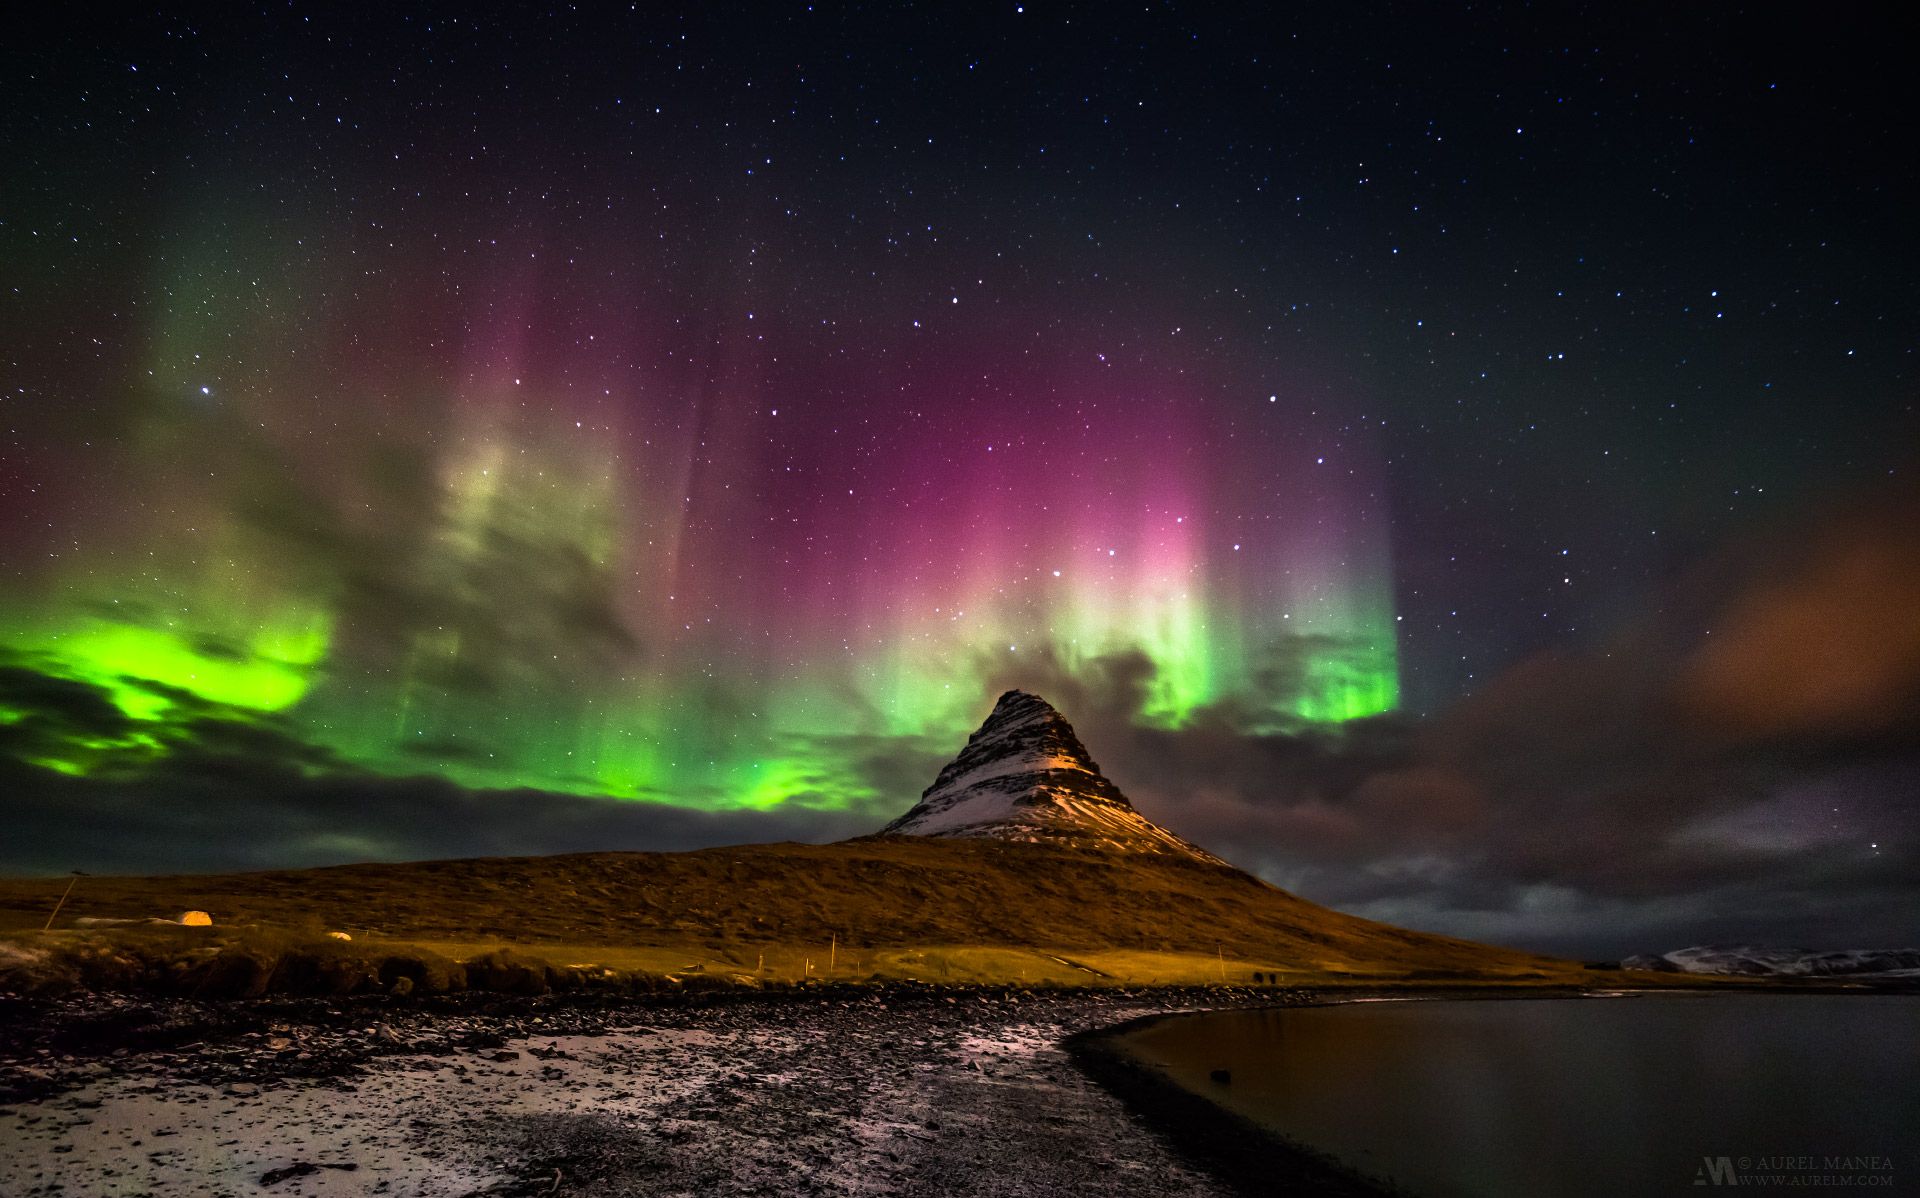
1024,775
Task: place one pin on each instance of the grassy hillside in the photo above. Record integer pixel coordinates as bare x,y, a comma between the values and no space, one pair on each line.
879,908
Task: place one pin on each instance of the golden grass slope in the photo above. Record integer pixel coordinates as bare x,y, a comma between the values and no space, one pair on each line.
879,908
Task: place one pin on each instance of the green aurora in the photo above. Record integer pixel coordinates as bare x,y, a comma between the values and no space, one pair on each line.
470,565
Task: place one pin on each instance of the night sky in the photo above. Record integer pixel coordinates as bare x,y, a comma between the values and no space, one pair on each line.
1456,464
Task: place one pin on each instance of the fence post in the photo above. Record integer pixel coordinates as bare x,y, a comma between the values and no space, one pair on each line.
77,875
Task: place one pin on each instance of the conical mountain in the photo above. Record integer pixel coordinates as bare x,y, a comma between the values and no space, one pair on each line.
1025,776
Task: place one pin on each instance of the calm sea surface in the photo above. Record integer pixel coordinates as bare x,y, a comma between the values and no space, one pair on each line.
1607,1097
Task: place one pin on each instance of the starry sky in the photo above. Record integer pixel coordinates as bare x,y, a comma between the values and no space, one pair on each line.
1455,464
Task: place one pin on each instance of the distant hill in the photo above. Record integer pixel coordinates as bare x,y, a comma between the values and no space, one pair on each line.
1746,960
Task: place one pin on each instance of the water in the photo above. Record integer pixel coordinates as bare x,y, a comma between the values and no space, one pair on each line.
1603,1097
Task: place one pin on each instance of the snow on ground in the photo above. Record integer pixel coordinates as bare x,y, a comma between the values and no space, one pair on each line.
973,1097
134,1135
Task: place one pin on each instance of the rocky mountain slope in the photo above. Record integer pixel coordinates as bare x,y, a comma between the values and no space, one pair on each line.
1025,776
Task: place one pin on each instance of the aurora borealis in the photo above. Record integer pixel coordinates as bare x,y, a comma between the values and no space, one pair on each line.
440,432
569,506
638,567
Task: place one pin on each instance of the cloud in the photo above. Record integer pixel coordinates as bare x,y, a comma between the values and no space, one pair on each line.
43,706
482,571
245,813
1830,646
1740,764
206,786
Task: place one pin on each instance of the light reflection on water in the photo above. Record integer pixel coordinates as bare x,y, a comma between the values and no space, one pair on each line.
1579,1097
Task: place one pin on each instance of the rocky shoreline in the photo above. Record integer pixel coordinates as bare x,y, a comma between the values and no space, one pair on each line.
909,1090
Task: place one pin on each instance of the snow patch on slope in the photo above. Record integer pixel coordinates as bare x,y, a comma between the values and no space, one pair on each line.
1004,767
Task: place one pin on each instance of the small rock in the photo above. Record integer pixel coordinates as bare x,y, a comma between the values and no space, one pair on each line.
299,1169
1222,1077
